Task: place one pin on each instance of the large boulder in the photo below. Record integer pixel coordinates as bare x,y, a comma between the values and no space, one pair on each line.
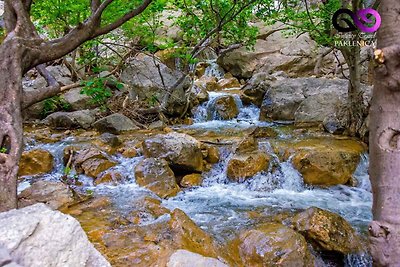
245,166
303,99
327,231
115,124
282,100
53,194
157,176
150,79
271,244
181,151
223,107
326,166
296,56
35,161
321,161
37,236
71,120
185,258
5,258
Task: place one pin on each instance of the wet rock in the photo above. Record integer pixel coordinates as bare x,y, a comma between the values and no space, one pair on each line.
207,84
109,177
271,244
187,235
225,108
90,161
326,166
228,83
213,155
327,231
246,166
247,144
110,139
146,208
201,69
115,124
184,258
264,132
142,74
181,151
71,120
77,100
53,194
93,166
157,176
191,180
34,162
37,236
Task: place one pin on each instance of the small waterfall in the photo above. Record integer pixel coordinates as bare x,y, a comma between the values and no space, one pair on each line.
206,112
214,70
358,260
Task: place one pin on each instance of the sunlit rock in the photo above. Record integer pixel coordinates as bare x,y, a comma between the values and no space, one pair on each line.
157,176
34,162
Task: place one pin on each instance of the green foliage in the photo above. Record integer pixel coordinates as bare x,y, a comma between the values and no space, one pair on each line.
97,89
54,104
314,19
3,150
153,100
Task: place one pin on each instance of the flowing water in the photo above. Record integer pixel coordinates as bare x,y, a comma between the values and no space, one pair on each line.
222,207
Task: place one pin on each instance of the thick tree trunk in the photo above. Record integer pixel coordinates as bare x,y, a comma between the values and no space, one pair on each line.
385,141
10,122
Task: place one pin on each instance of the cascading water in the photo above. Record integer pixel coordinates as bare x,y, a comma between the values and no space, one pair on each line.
222,207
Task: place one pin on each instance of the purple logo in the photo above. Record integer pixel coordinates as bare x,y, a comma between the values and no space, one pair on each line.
361,20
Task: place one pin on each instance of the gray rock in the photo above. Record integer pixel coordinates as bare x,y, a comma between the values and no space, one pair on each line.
6,260
254,90
143,77
182,151
37,236
316,108
282,100
184,258
70,120
78,101
115,124
296,56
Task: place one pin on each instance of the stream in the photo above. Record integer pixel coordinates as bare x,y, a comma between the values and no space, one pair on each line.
222,207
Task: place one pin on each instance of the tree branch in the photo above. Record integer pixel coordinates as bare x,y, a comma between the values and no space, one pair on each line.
53,88
112,26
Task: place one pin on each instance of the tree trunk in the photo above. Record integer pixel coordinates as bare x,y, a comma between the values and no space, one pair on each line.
10,122
385,141
356,109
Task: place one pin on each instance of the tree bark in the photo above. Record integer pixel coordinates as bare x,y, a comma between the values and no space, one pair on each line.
385,141
356,114
10,122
